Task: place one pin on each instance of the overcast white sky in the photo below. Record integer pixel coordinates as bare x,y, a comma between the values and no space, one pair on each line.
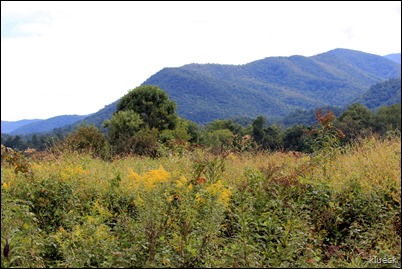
64,58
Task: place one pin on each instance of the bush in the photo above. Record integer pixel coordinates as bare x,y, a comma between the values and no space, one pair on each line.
87,139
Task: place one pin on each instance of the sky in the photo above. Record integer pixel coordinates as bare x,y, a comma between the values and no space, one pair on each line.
66,58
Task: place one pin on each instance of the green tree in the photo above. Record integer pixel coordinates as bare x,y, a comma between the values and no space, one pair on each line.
34,142
389,118
86,139
15,142
273,138
270,137
122,127
220,140
235,128
177,139
357,120
295,138
194,131
153,105
145,142
258,128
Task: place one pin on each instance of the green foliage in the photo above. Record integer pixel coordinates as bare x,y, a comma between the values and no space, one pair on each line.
15,142
296,139
384,93
22,234
194,131
87,245
389,118
258,128
86,139
145,142
219,140
274,86
270,230
152,104
209,168
270,137
307,117
260,209
17,160
357,121
37,141
273,138
122,127
230,125
177,139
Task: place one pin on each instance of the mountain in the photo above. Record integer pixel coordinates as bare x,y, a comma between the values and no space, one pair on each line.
94,119
9,126
46,125
386,92
274,86
396,57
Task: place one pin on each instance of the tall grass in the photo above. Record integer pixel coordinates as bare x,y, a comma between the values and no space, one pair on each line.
201,210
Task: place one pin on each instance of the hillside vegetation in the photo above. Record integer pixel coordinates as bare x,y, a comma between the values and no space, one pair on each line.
278,88
383,93
274,86
9,126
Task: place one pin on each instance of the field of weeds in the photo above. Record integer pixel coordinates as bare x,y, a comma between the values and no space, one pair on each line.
338,208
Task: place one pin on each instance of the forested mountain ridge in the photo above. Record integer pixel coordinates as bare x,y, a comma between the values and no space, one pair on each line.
274,86
94,119
386,92
9,126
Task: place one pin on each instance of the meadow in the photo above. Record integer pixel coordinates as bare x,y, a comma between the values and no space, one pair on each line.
332,208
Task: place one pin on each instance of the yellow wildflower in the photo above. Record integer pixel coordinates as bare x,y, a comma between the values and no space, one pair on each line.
180,182
6,185
199,198
218,190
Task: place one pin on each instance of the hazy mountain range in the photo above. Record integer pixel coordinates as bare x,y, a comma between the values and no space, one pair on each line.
272,87
38,126
396,57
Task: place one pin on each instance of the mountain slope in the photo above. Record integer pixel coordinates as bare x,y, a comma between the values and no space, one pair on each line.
9,126
383,93
93,119
47,125
274,86
396,57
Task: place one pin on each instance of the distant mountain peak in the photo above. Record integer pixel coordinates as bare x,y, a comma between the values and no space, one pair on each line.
272,87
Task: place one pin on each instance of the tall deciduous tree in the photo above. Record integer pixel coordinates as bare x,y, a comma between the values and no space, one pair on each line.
357,120
153,105
123,126
389,118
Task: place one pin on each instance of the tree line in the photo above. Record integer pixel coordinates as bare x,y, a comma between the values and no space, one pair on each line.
146,123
